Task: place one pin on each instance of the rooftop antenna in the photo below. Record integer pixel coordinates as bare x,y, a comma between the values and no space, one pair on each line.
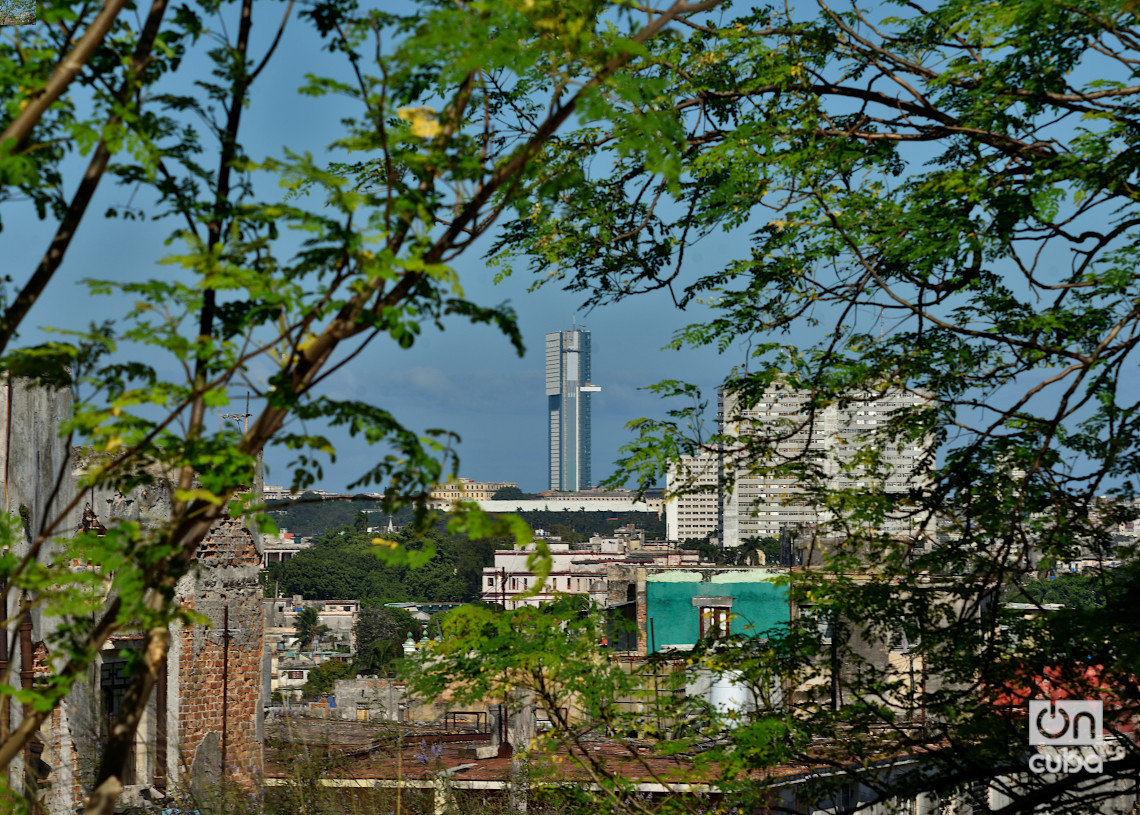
243,416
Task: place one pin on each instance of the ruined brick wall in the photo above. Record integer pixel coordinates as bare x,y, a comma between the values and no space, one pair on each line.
39,473
34,468
219,676
182,735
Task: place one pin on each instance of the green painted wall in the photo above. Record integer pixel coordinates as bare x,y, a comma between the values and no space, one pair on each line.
760,604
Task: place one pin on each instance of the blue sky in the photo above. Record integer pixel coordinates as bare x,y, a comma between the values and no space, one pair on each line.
466,379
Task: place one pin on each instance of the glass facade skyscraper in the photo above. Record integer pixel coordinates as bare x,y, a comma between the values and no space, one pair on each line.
568,391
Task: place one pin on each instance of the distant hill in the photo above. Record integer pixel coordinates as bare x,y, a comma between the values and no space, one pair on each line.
311,515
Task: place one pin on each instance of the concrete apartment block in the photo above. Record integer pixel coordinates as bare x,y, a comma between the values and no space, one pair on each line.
692,510
760,504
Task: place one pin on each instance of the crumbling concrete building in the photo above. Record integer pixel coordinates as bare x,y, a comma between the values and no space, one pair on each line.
205,715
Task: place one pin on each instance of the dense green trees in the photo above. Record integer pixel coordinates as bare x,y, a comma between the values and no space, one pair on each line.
348,565
581,525
380,633
322,678
1080,590
510,494
311,514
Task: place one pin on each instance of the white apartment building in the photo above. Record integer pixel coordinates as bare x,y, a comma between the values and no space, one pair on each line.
759,504
695,513
572,572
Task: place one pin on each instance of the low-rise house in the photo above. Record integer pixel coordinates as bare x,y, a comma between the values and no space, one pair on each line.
680,605
338,616
290,673
289,670
282,547
370,698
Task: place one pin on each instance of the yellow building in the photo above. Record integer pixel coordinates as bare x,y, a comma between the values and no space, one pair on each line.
464,489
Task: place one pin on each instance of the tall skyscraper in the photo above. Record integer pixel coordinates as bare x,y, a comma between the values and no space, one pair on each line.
568,392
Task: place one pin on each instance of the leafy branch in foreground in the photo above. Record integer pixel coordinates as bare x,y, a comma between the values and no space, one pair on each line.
939,202
281,265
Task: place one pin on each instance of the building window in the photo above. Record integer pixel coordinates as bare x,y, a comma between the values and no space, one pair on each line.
715,616
714,622
113,683
819,621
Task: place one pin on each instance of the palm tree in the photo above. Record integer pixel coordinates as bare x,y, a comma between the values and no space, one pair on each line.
308,627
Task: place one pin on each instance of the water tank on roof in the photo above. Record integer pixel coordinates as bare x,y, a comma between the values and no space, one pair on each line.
728,695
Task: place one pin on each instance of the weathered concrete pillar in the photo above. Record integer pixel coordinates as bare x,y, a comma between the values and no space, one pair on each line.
523,721
497,723
522,730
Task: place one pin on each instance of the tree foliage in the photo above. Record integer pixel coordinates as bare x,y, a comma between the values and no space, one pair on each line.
935,199
309,628
380,634
578,526
743,555
322,678
1082,590
380,623
286,264
511,494
311,514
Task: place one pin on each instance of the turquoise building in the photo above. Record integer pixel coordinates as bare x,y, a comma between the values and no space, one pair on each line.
681,605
